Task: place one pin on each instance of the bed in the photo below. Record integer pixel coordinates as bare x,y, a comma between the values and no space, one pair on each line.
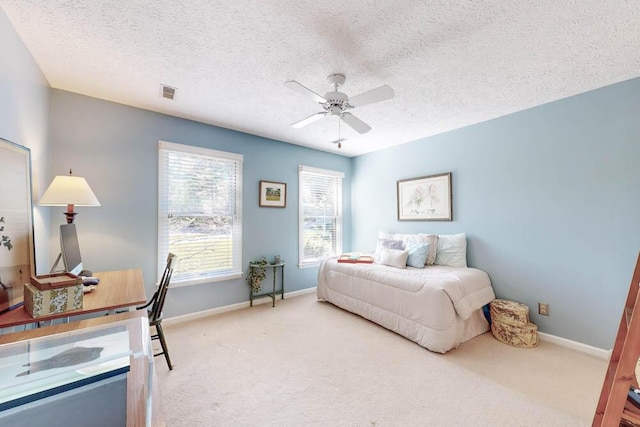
437,306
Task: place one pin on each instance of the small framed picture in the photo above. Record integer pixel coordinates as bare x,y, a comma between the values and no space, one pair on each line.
273,194
427,198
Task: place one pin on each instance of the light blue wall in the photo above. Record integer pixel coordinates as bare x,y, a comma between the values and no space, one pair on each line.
24,109
115,148
548,198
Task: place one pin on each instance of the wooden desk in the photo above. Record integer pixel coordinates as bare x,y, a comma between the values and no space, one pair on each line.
117,289
136,378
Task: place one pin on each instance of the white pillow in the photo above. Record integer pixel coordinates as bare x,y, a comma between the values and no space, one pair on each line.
394,257
452,250
407,240
387,241
387,236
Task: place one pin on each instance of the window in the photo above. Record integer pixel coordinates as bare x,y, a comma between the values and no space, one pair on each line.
320,214
199,208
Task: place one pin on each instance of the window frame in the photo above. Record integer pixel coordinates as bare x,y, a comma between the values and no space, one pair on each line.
163,214
302,262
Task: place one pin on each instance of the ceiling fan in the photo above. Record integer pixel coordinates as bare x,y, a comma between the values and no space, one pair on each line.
336,103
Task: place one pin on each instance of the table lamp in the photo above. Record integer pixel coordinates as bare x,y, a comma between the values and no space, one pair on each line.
69,191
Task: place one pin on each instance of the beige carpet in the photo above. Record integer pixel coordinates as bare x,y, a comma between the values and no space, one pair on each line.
308,363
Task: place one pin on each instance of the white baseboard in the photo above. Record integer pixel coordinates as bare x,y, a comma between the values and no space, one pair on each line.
232,307
575,345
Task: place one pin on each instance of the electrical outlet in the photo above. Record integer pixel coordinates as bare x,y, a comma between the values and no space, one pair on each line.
543,308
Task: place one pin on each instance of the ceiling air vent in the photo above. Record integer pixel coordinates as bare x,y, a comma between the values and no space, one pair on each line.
168,91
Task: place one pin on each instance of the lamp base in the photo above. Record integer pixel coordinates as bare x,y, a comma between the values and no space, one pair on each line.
70,216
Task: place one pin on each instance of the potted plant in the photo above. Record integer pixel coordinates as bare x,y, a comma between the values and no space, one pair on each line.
257,273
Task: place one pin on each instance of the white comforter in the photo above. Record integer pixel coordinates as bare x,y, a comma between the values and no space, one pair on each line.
437,307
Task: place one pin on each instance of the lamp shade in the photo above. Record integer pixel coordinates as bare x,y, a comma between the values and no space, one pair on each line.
69,190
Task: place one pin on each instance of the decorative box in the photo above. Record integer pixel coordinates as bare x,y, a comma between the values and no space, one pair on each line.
509,312
55,281
510,324
58,300
516,336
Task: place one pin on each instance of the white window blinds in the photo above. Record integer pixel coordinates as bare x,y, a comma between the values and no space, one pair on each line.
200,220
320,214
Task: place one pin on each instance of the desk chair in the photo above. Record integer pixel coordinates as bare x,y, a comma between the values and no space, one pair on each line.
157,303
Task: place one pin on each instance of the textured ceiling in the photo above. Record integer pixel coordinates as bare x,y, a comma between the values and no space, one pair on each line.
451,63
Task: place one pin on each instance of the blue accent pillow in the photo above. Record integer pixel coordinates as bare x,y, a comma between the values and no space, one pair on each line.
417,254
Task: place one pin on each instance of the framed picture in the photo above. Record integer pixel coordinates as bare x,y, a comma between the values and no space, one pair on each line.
17,263
427,198
273,194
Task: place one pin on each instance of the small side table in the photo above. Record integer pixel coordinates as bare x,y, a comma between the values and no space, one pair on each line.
273,293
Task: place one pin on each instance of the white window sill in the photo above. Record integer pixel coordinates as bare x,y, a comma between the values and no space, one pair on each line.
301,266
201,280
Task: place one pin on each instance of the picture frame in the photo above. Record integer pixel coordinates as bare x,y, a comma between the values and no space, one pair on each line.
426,198
273,194
17,259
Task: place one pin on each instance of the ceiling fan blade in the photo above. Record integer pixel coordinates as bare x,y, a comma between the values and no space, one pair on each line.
357,124
295,86
374,95
312,118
